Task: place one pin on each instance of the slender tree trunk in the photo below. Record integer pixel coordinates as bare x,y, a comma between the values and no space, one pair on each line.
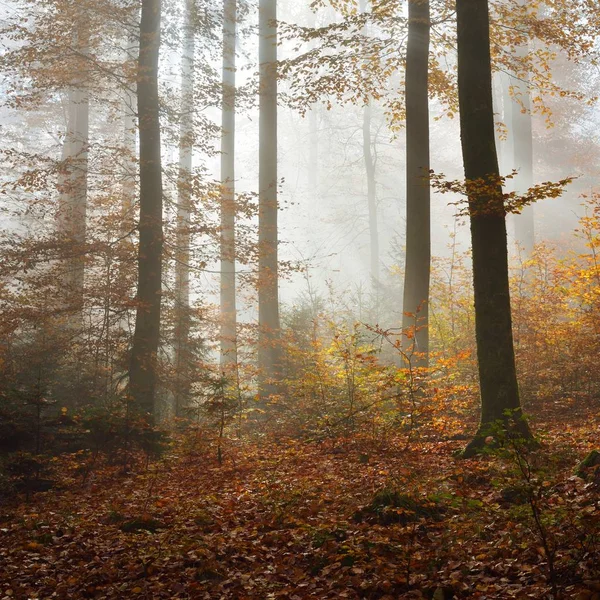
182,253
313,129
143,374
418,236
493,326
73,187
313,158
228,212
129,145
268,268
370,169
369,161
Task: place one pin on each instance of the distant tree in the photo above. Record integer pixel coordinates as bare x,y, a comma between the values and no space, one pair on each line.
72,213
493,324
268,269
418,194
143,374
182,256
228,211
370,161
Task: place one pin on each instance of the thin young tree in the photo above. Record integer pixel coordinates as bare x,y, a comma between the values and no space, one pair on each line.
182,253
415,322
500,401
370,169
228,211
268,267
143,375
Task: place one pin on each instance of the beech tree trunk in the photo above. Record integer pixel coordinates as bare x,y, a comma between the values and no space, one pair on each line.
182,253
129,144
493,325
369,161
73,197
268,269
313,132
370,169
143,374
418,237
73,183
228,211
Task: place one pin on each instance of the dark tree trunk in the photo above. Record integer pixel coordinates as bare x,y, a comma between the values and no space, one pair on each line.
268,272
143,374
228,287
183,358
495,351
418,236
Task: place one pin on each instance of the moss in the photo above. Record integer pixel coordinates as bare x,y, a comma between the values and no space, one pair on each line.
390,506
137,525
589,464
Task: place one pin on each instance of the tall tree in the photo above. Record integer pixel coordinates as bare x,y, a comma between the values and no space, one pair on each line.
228,211
370,168
418,236
182,253
143,374
73,195
313,132
268,268
129,114
73,182
369,160
493,324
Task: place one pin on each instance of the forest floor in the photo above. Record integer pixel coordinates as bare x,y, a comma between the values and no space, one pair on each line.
348,518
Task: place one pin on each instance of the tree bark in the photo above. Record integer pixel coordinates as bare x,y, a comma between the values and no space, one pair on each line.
129,142
143,374
182,252
370,170
268,269
493,325
369,161
72,217
313,132
415,321
228,211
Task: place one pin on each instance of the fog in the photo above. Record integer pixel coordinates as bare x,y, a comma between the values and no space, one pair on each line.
326,237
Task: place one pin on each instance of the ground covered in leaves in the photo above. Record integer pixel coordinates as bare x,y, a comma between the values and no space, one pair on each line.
286,518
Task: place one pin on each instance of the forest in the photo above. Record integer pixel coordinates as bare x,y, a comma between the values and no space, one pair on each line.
299,299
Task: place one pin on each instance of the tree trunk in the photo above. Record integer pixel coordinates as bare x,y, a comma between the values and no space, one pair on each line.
73,189
371,198
370,170
182,251
313,132
143,374
493,325
268,272
228,212
129,144
415,321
